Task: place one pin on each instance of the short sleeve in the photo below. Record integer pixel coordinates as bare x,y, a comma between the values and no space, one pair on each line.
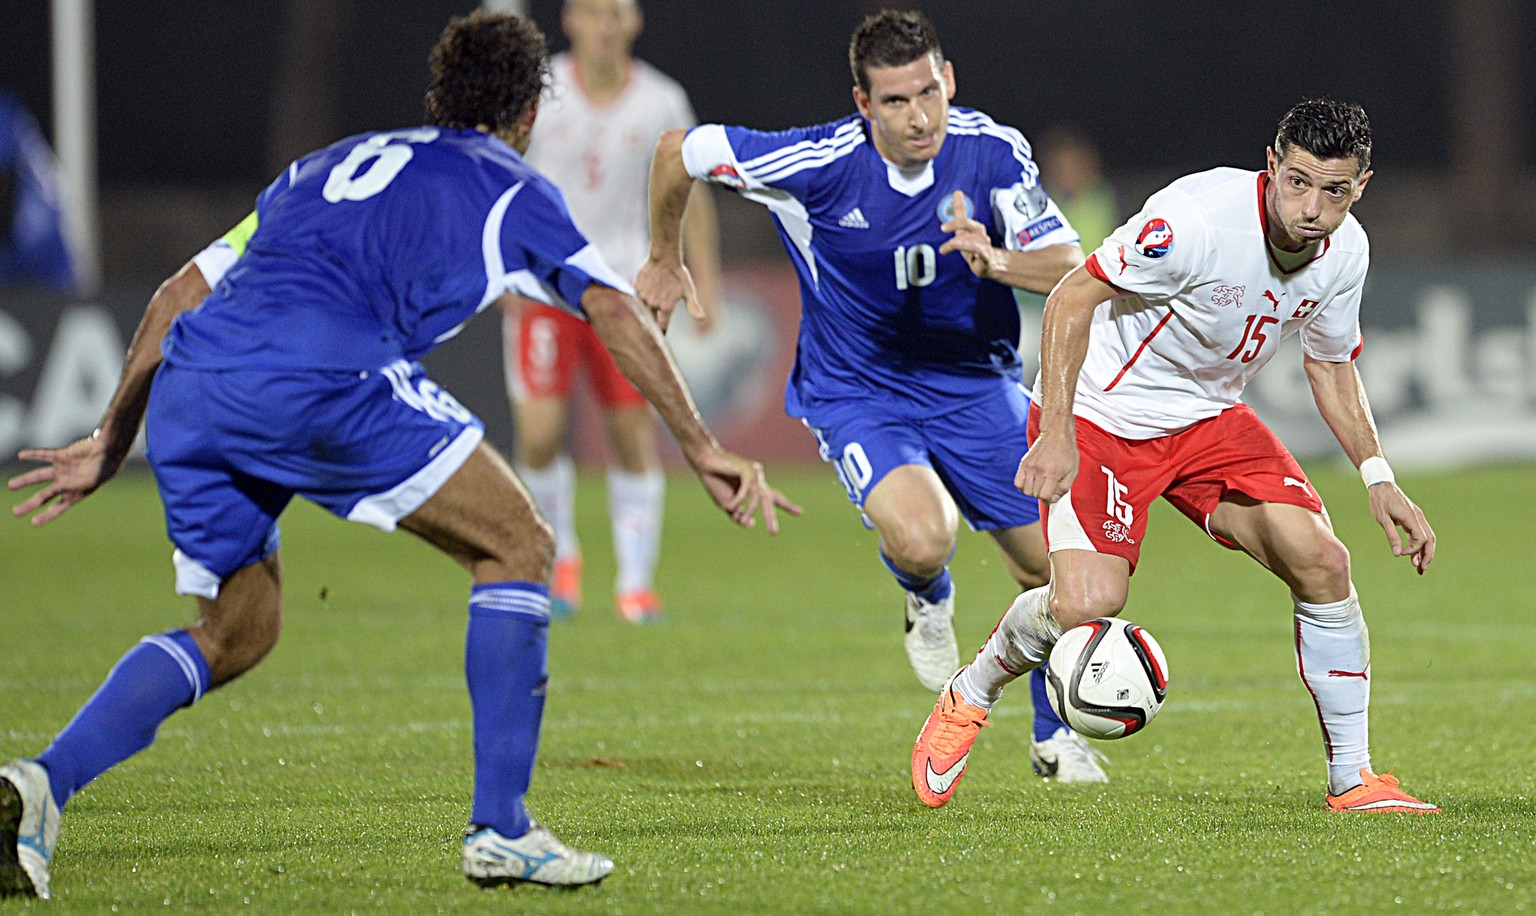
216,260
1332,334
1027,218
1158,252
753,161
541,255
1024,215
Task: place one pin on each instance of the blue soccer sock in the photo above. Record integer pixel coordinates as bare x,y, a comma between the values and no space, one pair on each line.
931,590
155,678
504,662
1046,720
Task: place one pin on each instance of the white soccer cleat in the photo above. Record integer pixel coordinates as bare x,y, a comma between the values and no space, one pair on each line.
930,640
29,828
1067,757
536,857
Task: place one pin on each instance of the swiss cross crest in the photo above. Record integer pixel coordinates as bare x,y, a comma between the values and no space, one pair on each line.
1225,295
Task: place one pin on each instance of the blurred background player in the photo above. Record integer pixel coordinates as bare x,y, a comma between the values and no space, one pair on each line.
909,223
1142,401
597,128
1072,169
257,393
33,250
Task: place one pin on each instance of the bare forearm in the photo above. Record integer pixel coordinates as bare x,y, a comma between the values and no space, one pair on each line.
701,234
182,292
1064,345
1341,400
670,184
629,333
1036,271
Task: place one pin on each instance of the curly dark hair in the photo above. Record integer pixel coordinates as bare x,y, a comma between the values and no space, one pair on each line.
891,38
1327,129
487,68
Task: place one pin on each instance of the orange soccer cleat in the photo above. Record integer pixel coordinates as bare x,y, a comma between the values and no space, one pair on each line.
1379,795
565,590
939,755
639,605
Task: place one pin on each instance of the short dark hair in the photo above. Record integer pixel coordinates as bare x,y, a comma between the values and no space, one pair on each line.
487,68
891,38
1328,129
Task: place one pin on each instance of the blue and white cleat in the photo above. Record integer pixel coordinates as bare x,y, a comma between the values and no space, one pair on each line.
29,828
536,857
930,641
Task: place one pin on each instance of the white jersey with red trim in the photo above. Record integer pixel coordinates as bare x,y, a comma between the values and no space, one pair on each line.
599,155
1210,300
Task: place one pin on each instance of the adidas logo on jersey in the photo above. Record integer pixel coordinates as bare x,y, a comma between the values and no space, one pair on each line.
854,219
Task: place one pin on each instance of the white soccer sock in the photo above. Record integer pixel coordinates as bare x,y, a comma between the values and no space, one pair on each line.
1020,643
1333,656
635,504
554,491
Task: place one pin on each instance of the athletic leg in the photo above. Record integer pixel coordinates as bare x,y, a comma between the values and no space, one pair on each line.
917,522
636,499
1333,648
163,673
486,521
540,363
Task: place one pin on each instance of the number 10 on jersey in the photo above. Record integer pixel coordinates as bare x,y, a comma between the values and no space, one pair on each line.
915,266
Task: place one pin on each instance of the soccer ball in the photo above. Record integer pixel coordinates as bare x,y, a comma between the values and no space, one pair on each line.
1107,678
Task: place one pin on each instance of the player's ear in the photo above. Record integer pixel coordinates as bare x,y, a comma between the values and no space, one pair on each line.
1360,188
1272,162
861,101
949,81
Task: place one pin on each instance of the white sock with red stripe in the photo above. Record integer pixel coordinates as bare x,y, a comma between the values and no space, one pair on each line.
553,488
1019,643
635,503
1333,656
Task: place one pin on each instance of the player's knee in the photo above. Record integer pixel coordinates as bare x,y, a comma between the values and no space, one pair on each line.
919,548
1078,605
1322,568
517,553
234,645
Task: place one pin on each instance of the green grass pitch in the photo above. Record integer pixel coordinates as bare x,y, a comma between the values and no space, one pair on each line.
749,755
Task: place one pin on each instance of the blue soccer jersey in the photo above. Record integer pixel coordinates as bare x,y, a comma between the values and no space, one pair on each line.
380,247
885,314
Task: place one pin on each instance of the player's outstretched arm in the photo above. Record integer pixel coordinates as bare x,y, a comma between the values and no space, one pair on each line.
1034,271
1340,397
736,484
72,473
663,281
1050,465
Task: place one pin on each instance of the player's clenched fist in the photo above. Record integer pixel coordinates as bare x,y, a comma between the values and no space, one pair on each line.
1049,468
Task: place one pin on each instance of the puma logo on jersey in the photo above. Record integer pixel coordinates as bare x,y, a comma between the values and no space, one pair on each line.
854,219
1293,482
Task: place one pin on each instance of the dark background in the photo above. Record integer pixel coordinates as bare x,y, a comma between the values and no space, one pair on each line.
202,102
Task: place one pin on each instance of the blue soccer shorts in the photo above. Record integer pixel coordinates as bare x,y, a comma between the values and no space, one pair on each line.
230,449
974,444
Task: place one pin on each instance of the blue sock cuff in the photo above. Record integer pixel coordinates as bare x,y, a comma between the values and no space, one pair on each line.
183,650
509,599
930,590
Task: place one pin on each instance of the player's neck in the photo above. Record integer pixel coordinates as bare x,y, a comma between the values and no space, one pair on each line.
601,80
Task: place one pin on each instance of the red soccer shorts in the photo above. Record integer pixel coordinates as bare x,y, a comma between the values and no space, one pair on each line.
1118,478
545,348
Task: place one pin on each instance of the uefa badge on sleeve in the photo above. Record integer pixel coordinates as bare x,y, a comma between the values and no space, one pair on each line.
1156,238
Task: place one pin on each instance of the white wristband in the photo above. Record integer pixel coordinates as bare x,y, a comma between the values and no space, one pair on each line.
1374,470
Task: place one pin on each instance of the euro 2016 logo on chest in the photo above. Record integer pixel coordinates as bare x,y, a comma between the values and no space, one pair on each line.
1156,238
